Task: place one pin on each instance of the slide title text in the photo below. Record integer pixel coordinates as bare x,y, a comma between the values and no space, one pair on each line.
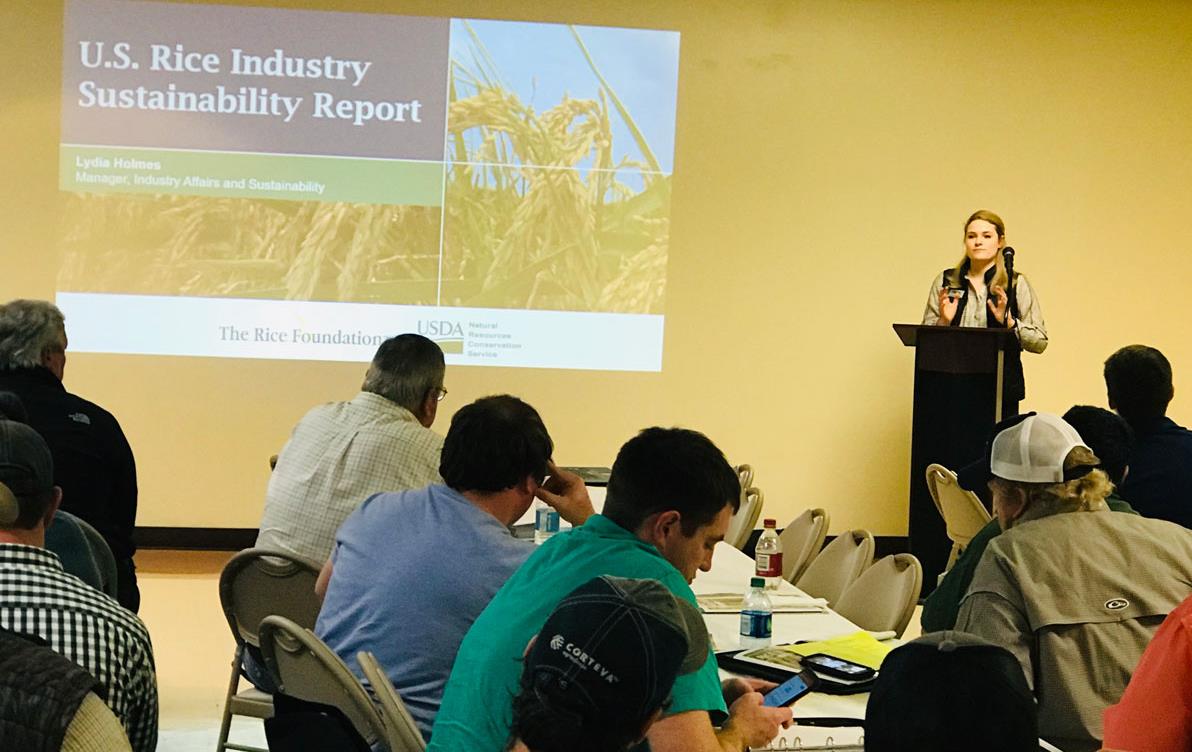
243,100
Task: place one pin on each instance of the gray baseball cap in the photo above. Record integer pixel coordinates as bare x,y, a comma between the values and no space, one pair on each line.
26,467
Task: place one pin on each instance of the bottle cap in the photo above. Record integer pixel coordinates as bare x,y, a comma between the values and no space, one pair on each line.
757,582
770,522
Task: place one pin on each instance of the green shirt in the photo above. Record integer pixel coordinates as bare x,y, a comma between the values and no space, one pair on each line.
942,606
476,712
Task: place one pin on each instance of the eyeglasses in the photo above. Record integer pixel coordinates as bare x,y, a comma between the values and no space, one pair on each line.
440,394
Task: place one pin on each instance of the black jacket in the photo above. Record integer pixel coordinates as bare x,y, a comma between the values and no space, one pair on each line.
93,462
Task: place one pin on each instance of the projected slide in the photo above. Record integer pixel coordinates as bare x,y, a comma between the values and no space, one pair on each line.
263,183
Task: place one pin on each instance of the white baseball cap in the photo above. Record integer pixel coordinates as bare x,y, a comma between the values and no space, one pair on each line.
1034,451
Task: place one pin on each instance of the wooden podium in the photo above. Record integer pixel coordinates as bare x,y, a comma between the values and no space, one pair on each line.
958,398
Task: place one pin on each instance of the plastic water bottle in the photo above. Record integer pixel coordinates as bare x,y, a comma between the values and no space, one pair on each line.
769,555
546,521
757,616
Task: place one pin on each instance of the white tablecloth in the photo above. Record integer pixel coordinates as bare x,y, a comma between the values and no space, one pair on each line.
731,570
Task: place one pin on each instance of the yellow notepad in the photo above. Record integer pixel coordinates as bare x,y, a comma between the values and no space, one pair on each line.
859,647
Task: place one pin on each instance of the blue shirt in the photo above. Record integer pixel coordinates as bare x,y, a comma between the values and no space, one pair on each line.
477,707
1159,483
411,571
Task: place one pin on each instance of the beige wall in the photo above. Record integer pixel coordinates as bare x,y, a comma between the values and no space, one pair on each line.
828,153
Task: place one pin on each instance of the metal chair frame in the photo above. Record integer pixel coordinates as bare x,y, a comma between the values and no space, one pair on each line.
290,576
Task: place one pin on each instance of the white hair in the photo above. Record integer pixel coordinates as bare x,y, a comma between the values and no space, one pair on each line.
28,330
405,370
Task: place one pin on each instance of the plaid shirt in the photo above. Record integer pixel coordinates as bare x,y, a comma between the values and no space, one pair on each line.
38,598
339,454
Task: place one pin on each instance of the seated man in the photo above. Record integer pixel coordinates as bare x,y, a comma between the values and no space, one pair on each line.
1075,593
12,408
64,536
93,462
1138,380
412,570
1106,434
670,497
599,672
341,453
47,703
947,691
39,599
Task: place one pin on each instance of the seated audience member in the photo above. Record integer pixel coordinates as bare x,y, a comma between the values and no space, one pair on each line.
93,462
949,691
65,535
11,407
599,672
1106,434
1138,380
38,598
341,453
1075,593
1155,713
669,500
412,570
47,703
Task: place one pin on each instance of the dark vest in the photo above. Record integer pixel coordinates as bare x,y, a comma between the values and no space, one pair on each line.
1013,384
40,692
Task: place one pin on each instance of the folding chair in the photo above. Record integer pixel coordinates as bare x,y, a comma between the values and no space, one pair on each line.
308,670
801,540
254,584
740,527
884,597
744,475
402,732
838,566
964,514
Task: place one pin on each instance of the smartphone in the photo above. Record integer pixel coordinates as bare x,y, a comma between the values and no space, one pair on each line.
955,292
789,691
838,668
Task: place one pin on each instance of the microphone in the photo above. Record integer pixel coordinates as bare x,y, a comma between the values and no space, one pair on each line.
1012,298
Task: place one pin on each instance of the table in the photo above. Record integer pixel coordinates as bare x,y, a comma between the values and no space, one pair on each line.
731,570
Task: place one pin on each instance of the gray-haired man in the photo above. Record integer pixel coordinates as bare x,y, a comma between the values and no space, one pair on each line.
93,461
341,453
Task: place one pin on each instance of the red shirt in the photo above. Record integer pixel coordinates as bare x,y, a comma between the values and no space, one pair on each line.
1155,712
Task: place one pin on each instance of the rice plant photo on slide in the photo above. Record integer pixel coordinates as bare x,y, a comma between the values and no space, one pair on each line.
264,249
560,150
554,184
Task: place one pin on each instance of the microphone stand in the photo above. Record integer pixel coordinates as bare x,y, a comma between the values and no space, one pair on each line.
1011,290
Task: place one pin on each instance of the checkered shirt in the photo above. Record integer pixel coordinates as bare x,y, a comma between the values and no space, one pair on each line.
38,598
339,454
